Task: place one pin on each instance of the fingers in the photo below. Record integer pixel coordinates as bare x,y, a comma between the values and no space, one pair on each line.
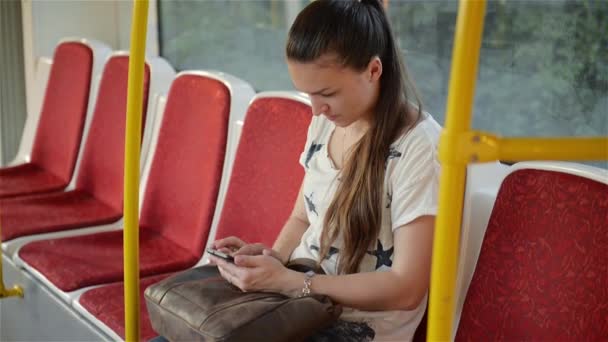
251,249
231,268
229,277
231,242
226,250
249,260
228,270
273,253
213,260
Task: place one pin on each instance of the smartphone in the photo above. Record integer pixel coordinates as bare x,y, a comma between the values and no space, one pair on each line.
219,254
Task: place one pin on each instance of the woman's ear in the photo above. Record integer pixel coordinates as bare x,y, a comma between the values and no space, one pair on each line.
374,69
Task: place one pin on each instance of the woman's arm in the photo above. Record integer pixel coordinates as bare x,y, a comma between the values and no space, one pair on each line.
292,231
401,288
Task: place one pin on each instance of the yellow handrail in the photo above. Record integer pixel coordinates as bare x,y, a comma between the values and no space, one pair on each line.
16,291
553,148
475,146
131,177
467,42
460,145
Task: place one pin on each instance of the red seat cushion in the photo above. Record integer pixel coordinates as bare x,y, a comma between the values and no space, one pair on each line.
275,130
542,271
99,188
266,175
76,262
102,166
47,213
59,131
26,179
179,201
186,169
106,303
180,197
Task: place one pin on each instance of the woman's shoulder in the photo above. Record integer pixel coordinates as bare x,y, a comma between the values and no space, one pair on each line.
424,135
414,155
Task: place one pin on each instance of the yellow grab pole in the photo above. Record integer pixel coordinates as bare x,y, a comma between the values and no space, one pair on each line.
481,146
131,178
512,149
469,27
4,292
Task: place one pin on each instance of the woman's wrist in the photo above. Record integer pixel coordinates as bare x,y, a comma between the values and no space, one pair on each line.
281,256
293,282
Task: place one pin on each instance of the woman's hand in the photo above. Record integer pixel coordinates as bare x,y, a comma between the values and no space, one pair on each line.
229,245
235,246
257,249
260,273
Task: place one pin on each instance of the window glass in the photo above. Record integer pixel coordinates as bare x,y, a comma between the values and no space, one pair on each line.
243,38
543,69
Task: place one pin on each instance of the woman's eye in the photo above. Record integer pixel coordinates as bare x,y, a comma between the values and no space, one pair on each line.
328,95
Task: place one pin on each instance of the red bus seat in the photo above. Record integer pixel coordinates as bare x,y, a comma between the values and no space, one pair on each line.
274,131
541,273
60,127
265,167
97,198
178,203
106,304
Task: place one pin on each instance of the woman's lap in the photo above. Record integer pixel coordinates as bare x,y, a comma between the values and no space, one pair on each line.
341,331
344,331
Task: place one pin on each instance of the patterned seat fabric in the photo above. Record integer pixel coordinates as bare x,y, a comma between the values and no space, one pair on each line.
542,271
106,303
46,213
266,175
98,196
274,131
178,203
60,127
97,258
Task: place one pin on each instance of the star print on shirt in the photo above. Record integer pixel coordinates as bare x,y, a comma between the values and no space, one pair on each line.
383,256
332,251
314,148
392,154
311,206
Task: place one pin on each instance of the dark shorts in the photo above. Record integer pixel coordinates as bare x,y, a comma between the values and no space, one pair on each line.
343,331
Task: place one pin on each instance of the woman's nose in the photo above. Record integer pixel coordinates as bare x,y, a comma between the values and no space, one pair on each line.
319,108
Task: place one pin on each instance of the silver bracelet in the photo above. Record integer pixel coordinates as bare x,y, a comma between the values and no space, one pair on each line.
307,283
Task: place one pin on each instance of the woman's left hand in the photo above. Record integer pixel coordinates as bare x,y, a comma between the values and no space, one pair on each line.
260,273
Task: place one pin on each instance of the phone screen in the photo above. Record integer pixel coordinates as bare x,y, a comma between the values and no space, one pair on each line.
219,254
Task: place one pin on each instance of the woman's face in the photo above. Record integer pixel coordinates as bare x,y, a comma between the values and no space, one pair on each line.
343,95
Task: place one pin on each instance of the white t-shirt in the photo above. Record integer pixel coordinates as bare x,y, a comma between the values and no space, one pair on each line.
411,190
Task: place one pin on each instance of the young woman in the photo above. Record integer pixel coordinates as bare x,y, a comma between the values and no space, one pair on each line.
367,204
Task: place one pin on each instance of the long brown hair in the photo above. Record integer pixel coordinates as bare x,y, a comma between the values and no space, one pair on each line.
357,31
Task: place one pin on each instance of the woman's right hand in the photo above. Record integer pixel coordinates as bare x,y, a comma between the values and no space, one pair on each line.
258,249
229,245
235,246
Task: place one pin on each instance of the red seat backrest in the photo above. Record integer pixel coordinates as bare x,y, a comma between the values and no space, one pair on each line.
542,271
266,175
187,167
64,110
102,167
